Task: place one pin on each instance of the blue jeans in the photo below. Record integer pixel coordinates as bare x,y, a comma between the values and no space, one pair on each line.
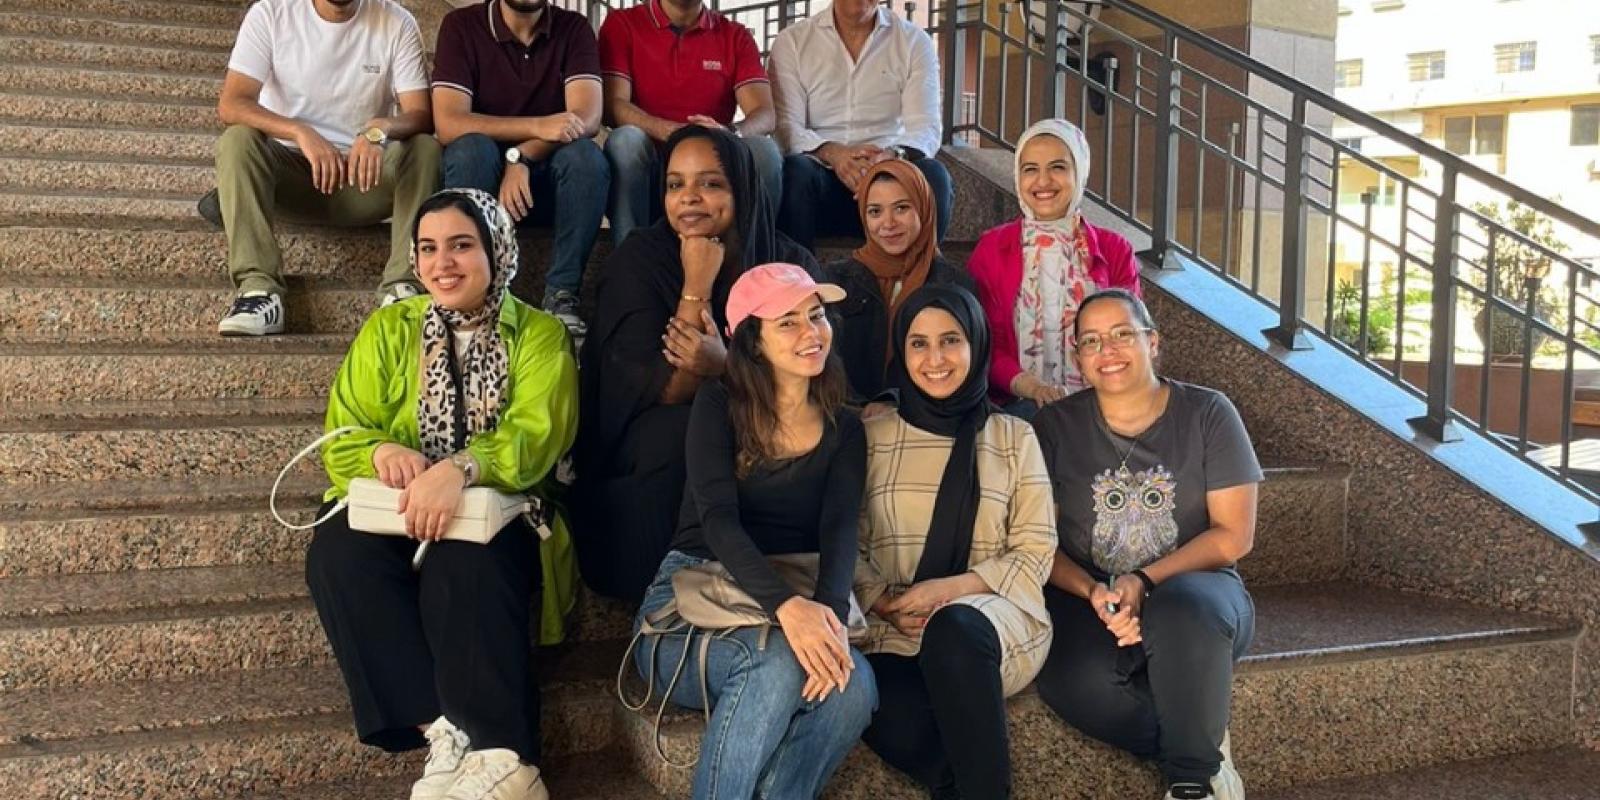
569,195
636,172
815,201
763,740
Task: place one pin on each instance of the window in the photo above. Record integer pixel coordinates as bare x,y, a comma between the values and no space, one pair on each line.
1594,48
1425,66
1482,135
1351,144
1347,74
1585,125
1514,57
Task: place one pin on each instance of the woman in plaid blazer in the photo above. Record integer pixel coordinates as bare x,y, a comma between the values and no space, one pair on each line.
957,536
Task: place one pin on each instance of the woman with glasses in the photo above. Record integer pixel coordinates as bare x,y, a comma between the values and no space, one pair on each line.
1155,489
1032,273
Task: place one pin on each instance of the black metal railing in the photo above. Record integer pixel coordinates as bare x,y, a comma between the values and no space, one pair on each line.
1471,292
1369,236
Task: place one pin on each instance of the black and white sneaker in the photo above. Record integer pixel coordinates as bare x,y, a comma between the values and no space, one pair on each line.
253,314
563,305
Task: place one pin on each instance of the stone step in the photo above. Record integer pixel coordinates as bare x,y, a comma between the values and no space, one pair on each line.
246,730
221,16
591,776
90,53
220,762
180,440
147,525
1566,773
191,255
153,147
156,86
577,674
1342,679
187,37
65,175
62,108
114,209
67,311
196,369
1300,524
76,630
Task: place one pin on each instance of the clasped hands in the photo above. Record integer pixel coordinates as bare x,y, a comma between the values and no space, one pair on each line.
851,162
429,494
1127,592
908,610
696,346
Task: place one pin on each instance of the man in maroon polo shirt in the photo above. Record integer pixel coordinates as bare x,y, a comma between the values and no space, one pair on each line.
516,100
668,63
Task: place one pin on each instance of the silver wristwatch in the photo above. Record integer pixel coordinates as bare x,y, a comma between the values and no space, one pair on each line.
467,464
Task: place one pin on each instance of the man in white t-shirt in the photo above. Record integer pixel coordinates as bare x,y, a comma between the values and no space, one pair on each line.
313,132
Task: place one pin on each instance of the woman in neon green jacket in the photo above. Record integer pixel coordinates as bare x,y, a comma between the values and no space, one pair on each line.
466,386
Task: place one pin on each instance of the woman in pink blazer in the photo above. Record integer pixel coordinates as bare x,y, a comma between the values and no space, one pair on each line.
1032,272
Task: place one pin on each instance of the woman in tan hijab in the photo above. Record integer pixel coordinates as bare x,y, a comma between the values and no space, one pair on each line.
900,255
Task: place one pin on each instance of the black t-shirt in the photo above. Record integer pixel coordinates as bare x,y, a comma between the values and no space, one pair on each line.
1112,519
807,504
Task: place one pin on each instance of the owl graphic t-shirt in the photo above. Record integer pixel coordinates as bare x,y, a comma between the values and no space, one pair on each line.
1114,517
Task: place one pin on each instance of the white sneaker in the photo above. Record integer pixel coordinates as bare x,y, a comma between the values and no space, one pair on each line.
447,746
497,774
398,292
253,314
1225,785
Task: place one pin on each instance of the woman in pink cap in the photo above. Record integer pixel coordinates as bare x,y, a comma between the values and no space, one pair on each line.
776,466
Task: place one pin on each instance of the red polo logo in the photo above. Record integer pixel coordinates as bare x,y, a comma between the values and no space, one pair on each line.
711,65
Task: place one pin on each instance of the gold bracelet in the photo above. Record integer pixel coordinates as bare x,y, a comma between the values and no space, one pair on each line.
691,298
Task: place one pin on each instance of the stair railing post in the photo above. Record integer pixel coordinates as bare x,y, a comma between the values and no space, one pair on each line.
1436,424
955,65
1296,250
1164,214
1056,46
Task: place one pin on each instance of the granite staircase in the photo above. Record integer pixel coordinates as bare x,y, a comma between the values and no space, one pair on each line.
156,638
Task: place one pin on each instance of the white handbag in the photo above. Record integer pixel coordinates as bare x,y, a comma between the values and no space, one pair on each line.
480,514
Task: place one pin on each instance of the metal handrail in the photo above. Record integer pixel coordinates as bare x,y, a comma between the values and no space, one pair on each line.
1280,171
1365,120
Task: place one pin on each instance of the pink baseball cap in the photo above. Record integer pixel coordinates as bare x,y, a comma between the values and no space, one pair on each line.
772,290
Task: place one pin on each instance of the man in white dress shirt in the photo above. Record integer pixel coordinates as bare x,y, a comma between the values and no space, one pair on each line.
854,85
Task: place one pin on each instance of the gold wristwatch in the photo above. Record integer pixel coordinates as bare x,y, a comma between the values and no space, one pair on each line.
375,135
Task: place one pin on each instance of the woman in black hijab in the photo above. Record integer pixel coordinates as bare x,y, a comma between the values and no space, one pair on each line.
655,338
956,545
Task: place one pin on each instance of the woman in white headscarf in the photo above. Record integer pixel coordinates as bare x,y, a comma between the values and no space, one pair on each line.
1032,272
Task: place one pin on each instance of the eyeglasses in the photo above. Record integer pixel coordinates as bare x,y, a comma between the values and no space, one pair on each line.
1118,338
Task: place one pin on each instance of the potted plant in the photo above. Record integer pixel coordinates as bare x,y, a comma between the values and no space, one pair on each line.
1520,272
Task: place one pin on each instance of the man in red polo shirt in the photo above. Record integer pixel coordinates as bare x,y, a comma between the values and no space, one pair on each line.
516,100
668,63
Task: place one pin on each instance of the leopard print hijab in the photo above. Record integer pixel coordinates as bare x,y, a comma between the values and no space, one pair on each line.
484,365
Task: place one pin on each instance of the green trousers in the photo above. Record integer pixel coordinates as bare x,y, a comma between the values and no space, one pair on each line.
259,179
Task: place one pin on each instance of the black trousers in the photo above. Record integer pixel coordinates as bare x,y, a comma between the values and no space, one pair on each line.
942,713
629,516
1167,699
452,639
